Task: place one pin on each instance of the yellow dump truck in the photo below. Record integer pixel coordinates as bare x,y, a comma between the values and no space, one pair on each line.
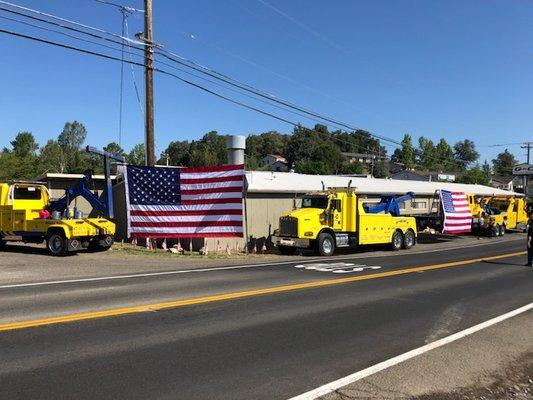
338,218
494,215
25,217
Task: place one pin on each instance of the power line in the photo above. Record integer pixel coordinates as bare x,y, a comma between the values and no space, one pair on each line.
55,17
500,144
163,63
277,74
62,33
272,97
204,70
106,56
125,12
213,74
295,21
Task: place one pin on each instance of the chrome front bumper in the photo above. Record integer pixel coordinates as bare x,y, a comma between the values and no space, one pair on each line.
291,242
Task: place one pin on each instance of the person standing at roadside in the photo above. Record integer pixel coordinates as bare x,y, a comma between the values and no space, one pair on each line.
530,241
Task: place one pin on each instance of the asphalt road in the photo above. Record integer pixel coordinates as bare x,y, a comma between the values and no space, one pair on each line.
262,346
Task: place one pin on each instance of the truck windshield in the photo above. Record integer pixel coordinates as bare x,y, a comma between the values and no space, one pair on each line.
315,202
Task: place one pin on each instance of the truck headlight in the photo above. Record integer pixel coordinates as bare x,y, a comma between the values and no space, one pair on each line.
308,234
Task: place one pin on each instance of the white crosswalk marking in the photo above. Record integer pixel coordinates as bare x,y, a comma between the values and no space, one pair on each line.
337,268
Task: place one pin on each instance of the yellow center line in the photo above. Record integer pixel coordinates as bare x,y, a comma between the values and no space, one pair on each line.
239,295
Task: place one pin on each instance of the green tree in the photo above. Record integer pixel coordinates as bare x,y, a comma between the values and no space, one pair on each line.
465,153
24,145
359,141
475,175
405,155
486,169
503,163
178,153
352,168
52,158
13,167
71,139
381,169
426,154
311,167
115,148
314,147
444,156
137,155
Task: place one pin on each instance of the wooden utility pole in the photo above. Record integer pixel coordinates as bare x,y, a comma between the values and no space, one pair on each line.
528,146
149,84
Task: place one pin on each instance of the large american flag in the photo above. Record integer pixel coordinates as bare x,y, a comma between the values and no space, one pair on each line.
457,214
184,202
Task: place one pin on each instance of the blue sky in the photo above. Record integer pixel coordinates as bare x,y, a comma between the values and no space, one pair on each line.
455,69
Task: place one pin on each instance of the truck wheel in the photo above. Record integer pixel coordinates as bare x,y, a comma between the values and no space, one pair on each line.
496,230
2,245
325,244
409,239
56,243
502,230
397,240
94,246
287,250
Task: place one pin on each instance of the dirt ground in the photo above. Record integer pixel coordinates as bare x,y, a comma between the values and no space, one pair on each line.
513,382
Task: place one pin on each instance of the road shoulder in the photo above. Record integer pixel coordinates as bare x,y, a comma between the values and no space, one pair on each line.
471,363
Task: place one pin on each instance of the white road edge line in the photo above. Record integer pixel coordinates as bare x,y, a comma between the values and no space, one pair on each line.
187,271
332,386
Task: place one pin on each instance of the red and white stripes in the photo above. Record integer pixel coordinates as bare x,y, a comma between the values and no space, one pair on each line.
211,206
460,220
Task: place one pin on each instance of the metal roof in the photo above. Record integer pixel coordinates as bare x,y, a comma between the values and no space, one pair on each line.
289,182
49,175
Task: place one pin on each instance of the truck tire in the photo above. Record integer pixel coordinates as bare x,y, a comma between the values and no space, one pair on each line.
2,245
496,230
56,243
502,230
325,244
409,239
397,240
287,250
96,247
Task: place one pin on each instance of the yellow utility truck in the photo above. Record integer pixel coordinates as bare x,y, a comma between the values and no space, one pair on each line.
28,215
337,218
494,215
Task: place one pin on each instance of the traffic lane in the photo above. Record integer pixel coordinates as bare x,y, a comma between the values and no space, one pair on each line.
24,303
262,347
105,265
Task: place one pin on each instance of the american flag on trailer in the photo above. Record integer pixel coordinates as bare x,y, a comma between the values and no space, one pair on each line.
457,214
184,202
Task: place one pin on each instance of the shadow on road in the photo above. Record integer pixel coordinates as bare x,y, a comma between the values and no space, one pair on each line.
23,249
506,263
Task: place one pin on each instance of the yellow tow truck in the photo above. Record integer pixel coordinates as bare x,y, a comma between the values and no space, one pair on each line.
495,215
26,216
338,218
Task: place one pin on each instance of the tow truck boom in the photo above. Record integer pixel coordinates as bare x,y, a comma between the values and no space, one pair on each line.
390,204
81,188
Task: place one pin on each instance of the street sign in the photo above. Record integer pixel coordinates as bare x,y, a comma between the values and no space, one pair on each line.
523,169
